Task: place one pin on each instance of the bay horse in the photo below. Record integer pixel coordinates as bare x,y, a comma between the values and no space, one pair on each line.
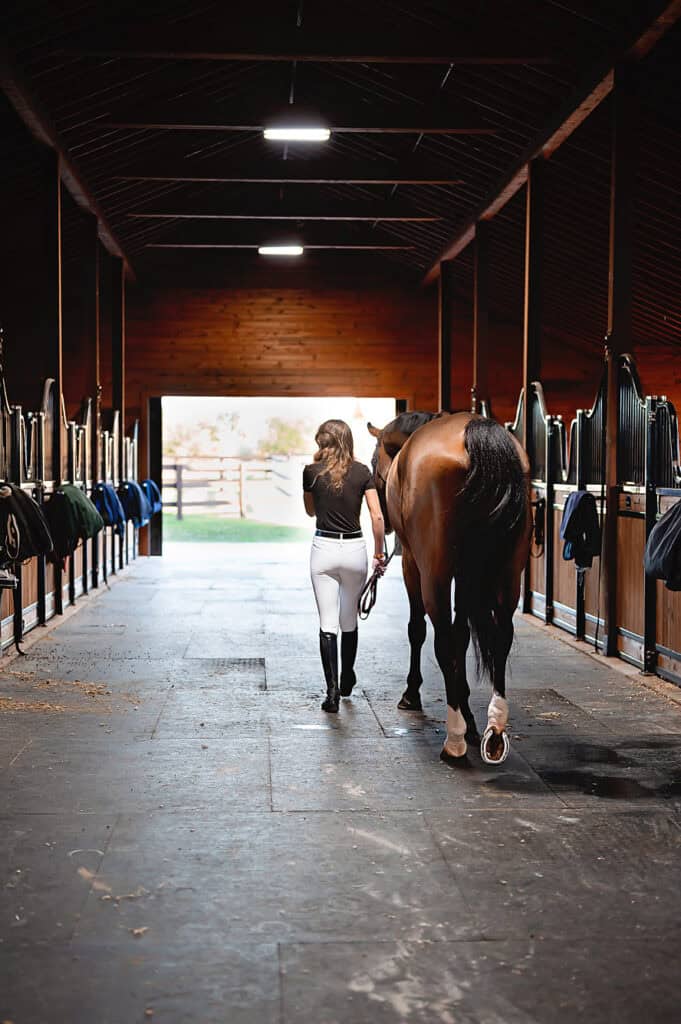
455,489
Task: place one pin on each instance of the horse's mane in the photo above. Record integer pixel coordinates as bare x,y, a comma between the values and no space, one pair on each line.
408,422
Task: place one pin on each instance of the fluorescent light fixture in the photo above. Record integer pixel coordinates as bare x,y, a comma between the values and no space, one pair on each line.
280,250
297,134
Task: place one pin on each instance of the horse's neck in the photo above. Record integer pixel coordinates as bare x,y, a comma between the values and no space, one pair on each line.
393,470
393,442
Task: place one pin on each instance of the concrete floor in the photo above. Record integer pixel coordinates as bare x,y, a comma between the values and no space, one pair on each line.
187,837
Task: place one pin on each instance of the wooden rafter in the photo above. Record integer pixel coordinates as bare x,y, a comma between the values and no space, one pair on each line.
198,117
313,172
249,234
595,87
574,113
359,247
40,125
153,41
345,211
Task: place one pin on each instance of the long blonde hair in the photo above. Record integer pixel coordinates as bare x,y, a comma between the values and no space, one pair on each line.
335,450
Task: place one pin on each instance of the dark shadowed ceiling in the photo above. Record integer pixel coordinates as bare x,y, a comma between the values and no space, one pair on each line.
161,109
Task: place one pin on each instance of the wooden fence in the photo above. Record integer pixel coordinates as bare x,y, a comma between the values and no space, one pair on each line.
224,478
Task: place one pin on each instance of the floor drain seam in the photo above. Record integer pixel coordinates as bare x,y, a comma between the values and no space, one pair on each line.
373,712
90,890
158,717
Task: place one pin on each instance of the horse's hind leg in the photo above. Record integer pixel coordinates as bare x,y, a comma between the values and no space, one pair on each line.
438,605
411,698
495,746
462,636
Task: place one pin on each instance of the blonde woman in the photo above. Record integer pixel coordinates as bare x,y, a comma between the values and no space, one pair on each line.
333,488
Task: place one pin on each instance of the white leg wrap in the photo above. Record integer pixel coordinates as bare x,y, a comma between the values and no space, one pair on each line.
497,713
497,719
455,744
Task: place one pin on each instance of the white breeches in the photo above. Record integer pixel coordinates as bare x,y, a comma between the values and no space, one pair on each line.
338,569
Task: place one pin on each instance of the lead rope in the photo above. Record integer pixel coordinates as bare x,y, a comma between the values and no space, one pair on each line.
367,599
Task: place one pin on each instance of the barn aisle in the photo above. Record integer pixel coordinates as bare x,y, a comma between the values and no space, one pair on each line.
186,837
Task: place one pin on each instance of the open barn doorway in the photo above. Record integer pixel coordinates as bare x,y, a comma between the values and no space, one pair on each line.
231,467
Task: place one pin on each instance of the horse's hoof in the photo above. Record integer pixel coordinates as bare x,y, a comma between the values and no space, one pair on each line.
410,704
494,746
454,762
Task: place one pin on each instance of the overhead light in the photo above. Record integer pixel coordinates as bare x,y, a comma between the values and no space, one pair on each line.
297,134
280,250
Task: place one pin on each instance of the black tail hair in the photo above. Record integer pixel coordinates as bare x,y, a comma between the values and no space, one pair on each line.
495,510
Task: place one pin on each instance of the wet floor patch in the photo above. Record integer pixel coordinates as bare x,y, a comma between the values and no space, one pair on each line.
609,787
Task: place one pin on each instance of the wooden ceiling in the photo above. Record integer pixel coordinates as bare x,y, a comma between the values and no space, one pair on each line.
431,105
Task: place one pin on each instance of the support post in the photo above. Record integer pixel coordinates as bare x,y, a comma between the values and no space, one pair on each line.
580,611
549,498
532,309
155,419
97,400
18,605
480,390
118,349
444,335
650,585
53,227
533,295
622,181
118,373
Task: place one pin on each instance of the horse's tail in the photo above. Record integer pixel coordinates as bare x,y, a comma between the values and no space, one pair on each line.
495,509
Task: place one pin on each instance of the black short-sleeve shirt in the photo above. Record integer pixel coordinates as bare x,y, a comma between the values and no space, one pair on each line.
338,510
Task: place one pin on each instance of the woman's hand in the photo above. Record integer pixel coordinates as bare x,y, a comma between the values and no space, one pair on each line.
378,564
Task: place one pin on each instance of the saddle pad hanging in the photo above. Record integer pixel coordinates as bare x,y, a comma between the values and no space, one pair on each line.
662,559
24,531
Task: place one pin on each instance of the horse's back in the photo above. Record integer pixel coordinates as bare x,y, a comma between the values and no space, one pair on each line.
436,448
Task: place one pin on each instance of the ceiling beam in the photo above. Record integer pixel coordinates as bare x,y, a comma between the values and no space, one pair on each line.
249,235
309,172
362,212
41,127
567,121
666,19
359,247
153,41
595,87
350,121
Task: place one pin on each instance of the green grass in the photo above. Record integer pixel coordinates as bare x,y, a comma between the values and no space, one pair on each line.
207,528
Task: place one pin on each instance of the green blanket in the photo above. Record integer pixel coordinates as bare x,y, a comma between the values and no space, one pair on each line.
72,517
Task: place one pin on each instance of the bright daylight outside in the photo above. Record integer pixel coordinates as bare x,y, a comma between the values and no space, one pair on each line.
232,467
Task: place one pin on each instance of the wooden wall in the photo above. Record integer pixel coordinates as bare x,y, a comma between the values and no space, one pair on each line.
309,331
283,332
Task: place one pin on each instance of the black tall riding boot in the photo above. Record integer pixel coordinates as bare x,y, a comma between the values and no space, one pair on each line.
328,648
348,654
